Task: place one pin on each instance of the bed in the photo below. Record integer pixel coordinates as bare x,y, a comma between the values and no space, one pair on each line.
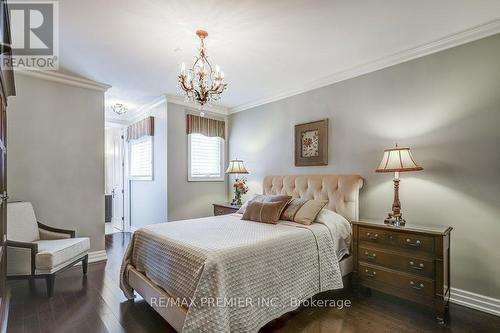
224,274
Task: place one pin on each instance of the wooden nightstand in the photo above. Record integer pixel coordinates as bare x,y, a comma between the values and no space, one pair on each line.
225,208
411,262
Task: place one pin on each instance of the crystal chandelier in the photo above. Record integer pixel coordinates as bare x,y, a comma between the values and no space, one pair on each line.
201,83
119,109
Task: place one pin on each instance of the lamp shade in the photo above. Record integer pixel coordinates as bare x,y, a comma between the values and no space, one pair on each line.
236,166
398,159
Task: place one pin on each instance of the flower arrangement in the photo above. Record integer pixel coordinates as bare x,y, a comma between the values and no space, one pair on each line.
240,187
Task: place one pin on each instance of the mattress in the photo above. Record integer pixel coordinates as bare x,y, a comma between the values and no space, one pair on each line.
203,262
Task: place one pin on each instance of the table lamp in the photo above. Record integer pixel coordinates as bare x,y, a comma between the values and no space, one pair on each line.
397,160
236,167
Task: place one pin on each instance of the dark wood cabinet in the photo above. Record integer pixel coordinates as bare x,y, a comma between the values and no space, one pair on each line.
6,89
411,262
224,209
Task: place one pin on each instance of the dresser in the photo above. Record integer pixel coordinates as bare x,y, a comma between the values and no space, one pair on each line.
224,208
411,262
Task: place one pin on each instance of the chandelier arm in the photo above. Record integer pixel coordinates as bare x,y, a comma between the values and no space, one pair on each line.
216,91
183,85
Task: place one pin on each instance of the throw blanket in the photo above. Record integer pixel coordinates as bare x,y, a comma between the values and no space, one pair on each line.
236,275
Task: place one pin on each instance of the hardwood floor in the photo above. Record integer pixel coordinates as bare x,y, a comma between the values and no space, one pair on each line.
95,303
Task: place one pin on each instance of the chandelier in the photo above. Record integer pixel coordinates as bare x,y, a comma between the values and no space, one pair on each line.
119,109
201,83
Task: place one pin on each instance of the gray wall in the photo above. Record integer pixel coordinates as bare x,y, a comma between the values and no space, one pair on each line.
186,199
56,154
445,106
149,198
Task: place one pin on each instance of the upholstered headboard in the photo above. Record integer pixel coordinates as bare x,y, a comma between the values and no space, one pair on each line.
341,191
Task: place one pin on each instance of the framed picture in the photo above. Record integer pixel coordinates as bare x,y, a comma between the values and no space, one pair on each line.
311,143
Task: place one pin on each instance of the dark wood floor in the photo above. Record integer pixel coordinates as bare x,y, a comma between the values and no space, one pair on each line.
95,304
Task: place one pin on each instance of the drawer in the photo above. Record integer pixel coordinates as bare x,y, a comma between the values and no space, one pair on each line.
402,282
397,261
409,241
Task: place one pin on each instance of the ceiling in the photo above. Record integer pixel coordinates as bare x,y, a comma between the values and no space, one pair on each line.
265,48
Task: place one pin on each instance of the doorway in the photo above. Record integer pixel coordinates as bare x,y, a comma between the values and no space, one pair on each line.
115,178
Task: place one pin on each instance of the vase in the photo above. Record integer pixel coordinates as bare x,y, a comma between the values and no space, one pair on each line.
237,198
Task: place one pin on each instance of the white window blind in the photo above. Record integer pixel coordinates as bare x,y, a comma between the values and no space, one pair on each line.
141,158
205,158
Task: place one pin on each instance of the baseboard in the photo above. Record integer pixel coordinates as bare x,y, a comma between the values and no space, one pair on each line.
475,301
97,256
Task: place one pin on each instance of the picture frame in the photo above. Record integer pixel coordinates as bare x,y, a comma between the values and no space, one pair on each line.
311,143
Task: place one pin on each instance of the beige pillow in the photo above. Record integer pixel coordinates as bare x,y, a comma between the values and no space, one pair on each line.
308,211
264,198
266,212
292,209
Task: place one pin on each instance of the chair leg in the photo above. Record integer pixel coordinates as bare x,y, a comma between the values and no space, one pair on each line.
50,279
85,263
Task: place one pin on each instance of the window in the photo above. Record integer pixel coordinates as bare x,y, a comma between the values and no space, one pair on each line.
141,158
205,158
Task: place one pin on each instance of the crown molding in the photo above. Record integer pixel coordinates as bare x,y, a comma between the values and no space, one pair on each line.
144,110
116,123
219,109
63,78
469,35
140,113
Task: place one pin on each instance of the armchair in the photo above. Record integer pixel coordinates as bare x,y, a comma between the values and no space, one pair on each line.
38,251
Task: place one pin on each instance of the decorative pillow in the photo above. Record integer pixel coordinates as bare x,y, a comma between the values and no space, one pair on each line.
308,211
265,198
292,209
245,205
266,212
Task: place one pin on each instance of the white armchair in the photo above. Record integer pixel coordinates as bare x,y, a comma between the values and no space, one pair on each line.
36,251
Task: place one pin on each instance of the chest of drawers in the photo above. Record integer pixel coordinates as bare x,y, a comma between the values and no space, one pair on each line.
224,209
411,262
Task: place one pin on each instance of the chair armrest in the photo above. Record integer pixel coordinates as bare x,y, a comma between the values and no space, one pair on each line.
33,247
26,245
64,232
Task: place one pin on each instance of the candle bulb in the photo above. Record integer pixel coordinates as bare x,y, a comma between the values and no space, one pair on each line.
183,69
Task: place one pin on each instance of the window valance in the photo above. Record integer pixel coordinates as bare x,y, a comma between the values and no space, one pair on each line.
141,128
206,126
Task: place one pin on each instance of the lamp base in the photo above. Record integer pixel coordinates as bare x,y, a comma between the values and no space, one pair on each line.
396,221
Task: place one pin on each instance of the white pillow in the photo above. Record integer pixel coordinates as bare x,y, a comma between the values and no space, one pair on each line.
340,229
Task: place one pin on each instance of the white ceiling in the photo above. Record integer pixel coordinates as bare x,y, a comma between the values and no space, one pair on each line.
264,47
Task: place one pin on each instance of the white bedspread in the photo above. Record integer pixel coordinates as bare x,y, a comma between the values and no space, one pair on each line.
237,275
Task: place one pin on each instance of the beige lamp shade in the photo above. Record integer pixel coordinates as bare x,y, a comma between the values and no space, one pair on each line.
236,166
398,159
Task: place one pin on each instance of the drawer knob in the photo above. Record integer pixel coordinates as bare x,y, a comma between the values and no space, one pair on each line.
417,267
420,286
416,244
370,236
372,274
370,256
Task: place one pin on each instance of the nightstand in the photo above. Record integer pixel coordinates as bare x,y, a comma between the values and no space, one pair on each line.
411,262
225,208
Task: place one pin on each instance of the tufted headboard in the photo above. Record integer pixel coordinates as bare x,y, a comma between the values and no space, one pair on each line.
341,191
